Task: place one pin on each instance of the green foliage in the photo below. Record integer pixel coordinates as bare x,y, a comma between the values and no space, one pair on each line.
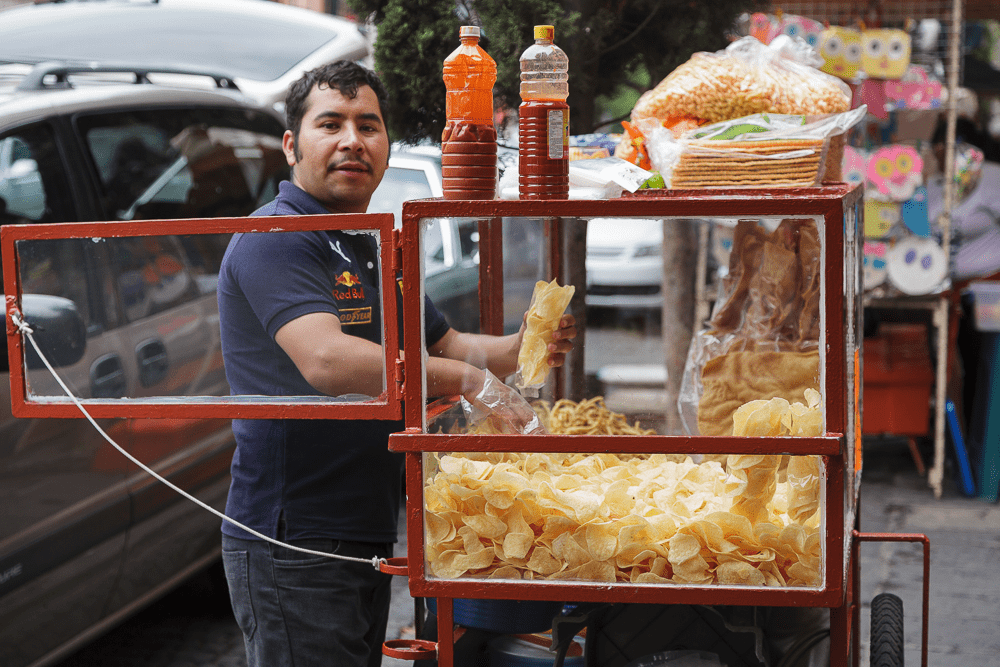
617,49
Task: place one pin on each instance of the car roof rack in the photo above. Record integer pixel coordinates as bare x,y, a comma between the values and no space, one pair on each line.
35,79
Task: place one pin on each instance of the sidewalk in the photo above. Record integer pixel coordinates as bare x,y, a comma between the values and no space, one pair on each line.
965,563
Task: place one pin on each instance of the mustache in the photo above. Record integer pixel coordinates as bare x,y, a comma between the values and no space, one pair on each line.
336,165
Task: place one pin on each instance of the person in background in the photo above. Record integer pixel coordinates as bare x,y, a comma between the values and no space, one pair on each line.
300,316
975,214
975,248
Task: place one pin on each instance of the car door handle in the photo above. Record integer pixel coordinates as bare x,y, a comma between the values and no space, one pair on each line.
153,364
107,377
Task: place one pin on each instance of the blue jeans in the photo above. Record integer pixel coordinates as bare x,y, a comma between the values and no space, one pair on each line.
300,610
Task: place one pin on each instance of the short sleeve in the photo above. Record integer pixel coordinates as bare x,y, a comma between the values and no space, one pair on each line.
284,276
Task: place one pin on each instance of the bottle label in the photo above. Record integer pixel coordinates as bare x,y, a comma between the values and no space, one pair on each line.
558,133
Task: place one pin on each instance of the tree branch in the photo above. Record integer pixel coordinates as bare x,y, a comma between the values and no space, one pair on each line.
625,40
611,122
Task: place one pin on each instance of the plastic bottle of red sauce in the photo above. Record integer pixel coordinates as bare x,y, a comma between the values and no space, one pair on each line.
469,140
543,125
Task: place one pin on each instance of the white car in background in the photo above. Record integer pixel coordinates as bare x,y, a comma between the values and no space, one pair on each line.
260,46
624,263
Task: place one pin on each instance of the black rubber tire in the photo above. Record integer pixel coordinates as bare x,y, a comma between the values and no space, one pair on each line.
887,631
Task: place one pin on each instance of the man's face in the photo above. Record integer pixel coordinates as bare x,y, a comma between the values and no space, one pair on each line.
342,149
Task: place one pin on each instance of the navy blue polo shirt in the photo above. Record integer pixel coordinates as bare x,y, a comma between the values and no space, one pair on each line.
329,478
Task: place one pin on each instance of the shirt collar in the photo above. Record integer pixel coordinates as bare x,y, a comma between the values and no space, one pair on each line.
293,200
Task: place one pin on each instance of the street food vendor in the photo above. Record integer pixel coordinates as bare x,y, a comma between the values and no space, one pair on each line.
300,316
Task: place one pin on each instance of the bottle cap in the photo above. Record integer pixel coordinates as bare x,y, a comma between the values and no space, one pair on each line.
545,32
468,31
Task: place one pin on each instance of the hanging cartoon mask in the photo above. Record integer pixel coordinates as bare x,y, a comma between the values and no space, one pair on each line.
880,217
914,91
854,168
874,273
885,54
763,26
800,26
896,171
840,49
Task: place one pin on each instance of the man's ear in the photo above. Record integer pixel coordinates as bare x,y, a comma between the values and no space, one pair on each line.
288,147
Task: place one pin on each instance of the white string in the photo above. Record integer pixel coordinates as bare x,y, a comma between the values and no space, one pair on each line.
27,332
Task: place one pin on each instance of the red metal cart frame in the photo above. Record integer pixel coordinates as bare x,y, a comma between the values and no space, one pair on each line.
839,208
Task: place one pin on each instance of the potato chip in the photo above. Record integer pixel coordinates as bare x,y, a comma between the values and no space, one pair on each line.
739,573
601,540
548,303
543,562
505,572
803,487
519,538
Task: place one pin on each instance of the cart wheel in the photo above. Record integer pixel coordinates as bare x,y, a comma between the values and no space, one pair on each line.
887,631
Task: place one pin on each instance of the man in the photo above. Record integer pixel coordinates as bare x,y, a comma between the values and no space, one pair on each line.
327,486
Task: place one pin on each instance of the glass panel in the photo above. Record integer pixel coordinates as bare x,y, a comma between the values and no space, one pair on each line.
752,365
192,163
641,518
143,312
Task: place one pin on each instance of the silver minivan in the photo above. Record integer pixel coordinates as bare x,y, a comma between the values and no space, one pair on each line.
86,538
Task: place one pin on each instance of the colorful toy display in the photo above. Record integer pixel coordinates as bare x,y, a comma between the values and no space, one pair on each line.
764,27
854,168
916,265
885,53
914,213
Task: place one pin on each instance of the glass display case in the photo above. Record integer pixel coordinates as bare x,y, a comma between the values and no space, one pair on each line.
752,504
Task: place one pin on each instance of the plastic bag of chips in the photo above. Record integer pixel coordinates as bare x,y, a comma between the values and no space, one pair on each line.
498,408
762,338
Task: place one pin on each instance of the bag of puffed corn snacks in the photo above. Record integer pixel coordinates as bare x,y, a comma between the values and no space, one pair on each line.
746,78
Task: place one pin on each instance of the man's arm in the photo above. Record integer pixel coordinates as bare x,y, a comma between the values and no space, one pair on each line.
499,353
330,360
336,363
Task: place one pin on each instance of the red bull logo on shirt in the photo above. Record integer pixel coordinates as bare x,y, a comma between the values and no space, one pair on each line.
348,281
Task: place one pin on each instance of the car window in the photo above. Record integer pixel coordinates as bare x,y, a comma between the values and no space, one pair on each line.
185,163
399,184
33,184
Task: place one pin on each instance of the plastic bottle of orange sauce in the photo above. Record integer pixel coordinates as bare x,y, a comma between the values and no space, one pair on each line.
469,140
543,120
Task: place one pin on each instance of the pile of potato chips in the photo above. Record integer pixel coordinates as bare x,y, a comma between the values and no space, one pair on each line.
635,518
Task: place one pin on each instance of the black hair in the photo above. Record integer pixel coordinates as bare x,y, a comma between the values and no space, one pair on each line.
345,76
